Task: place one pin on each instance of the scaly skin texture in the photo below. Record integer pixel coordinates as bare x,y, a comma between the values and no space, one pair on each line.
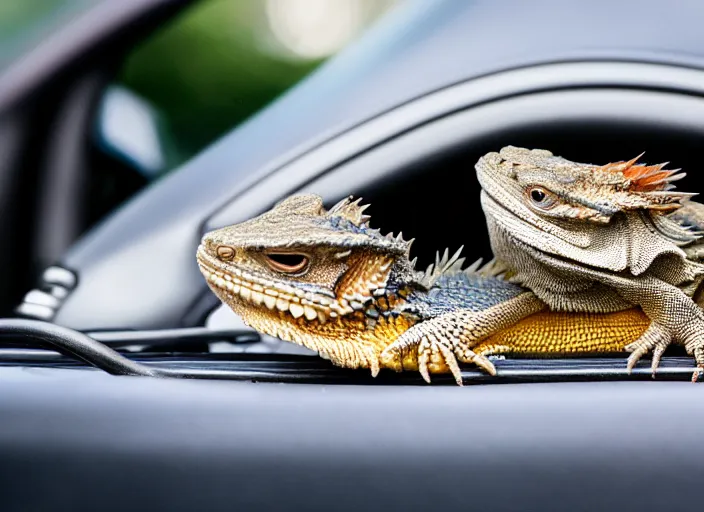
326,280
600,239
550,333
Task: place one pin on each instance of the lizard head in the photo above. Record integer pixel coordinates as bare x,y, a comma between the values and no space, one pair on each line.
612,216
537,183
304,273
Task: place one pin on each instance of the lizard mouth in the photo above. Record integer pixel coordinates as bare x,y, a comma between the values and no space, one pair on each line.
235,284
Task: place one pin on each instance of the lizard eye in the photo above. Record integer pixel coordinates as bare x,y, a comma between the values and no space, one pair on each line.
225,252
541,198
287,262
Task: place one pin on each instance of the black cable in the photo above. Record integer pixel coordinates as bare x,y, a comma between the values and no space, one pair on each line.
81,346
76,344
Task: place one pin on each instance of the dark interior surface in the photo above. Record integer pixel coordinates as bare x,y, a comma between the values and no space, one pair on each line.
436,199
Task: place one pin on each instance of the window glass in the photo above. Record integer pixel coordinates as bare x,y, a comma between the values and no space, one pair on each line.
217,64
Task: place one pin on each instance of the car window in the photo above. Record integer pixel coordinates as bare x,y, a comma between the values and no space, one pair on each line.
213,67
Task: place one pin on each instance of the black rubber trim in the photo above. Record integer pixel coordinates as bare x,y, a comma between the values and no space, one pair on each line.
311,370
159,337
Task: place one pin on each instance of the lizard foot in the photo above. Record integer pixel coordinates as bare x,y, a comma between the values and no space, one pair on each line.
440,345
446,339
656,339
696,348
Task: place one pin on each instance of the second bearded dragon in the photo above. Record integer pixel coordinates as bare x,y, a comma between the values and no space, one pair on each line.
588,239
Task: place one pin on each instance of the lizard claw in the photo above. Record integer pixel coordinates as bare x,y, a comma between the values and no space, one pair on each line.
446,339
481,360
698,353
374,366
433,353
438,351
437,356
655,338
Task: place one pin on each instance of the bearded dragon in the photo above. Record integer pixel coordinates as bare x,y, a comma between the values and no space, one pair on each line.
326,280
588,238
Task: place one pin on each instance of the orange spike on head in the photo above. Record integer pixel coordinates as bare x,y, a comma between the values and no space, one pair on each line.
645,178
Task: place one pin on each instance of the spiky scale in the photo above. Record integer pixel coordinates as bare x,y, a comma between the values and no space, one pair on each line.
474,266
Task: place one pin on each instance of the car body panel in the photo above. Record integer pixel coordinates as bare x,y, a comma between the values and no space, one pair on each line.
133,443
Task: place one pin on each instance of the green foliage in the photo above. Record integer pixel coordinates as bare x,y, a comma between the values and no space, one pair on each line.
209,70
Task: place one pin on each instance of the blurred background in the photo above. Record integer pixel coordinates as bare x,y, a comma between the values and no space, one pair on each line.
91,137
222,61
218,63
